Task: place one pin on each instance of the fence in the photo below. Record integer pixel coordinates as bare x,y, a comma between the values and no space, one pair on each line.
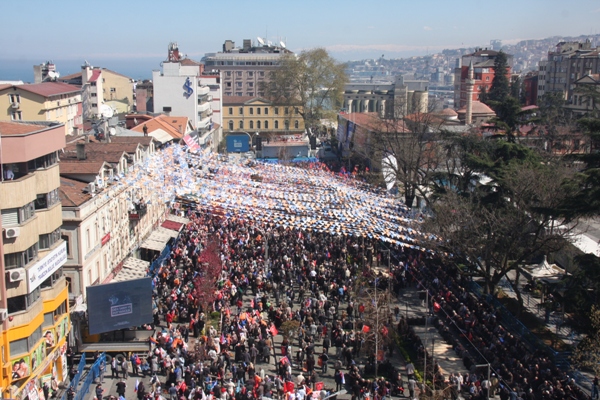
164,255
92,375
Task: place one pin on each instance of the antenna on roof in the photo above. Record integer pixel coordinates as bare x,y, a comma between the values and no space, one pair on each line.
260,40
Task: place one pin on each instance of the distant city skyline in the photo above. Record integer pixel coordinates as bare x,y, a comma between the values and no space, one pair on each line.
133,35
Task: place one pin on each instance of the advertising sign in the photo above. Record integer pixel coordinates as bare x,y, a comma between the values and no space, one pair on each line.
119,305
238,143
44,268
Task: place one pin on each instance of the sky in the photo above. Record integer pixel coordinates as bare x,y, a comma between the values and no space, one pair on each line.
131,36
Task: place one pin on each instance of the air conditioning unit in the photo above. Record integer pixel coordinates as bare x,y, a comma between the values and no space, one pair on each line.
3,314
16,275
16,104
10,233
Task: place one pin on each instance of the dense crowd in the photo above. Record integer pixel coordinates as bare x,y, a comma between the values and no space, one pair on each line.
272,278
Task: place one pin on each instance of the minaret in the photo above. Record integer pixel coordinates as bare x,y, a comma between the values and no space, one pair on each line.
470,85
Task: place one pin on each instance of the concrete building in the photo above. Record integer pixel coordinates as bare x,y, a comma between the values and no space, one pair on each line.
179,90
388,99
102,90
568,63
46,101
144,96
105,220
582,103
530,87
483,68
34,308
246,114
244,70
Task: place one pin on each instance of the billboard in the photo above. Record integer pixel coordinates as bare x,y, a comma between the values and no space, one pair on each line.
238,143
120,305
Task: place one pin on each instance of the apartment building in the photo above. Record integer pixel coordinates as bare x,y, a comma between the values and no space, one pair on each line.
244,70
46,101
34,308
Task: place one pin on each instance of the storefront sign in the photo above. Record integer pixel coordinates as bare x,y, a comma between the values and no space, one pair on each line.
105,238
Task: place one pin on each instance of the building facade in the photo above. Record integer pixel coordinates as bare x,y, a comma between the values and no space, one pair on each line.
582,103
105,219
103,90
388,99
244,70
46,101
245,114
569,62
484,72
34,308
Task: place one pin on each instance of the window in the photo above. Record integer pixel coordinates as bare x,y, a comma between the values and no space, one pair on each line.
276,110
228,73
230,125
241,124
261,73
238,84
266,124
27,344
241,111
52,279
286,111
296,124
257,124
228,84
113,90
250,73
276,124
48,240
487,78
93,84
251,111
251,124
250,84
21,258
230,110
14,98
94,104
287,125
16,116
67,240
258,110
46,200
93,95
296,110
266,110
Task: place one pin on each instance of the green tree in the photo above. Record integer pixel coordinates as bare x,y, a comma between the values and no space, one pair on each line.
500,84
587,354
504,220
313,80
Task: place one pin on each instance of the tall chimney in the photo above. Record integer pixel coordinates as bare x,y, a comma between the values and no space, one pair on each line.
81,151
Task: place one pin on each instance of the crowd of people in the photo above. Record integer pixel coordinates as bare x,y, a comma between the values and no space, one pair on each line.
232,286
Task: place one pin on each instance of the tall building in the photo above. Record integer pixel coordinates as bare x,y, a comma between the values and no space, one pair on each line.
179,90
46,101
34,308
244,69
483,68
567,64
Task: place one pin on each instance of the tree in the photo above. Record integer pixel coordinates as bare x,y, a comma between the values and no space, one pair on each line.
406,147
587,354
500,89
514,215
313,80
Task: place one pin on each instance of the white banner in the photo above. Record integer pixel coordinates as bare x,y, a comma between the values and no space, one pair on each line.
46,266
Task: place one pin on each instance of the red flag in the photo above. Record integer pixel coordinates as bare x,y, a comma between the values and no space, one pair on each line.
366,329
436,306
319,385
273,330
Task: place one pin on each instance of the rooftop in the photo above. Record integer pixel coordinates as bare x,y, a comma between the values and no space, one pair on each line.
47,89
71,192
8,128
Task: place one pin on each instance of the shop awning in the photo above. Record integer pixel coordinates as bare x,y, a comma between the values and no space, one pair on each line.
133,268
158,239
175,226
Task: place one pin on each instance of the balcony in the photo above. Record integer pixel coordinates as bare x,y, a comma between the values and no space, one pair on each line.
203,90
203,107
138,211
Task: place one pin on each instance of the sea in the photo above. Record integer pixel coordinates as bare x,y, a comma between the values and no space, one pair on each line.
22,69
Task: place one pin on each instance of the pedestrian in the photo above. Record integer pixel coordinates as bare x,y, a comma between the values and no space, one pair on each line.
121,387
173,392
595,389
411,387
410,370
70,393
114,368
324,358
102,370
125,368
99,391
134,363
141,391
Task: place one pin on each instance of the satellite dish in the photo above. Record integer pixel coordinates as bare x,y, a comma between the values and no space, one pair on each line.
52,75
282,44
106,111
112,131
260,40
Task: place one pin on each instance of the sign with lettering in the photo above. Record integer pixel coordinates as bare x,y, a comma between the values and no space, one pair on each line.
44,268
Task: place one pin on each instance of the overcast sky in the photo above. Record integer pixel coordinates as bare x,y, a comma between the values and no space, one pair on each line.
104,30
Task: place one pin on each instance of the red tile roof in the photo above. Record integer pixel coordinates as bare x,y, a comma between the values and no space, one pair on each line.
48,89
80,167
71,192
19,128
166,123
95,75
